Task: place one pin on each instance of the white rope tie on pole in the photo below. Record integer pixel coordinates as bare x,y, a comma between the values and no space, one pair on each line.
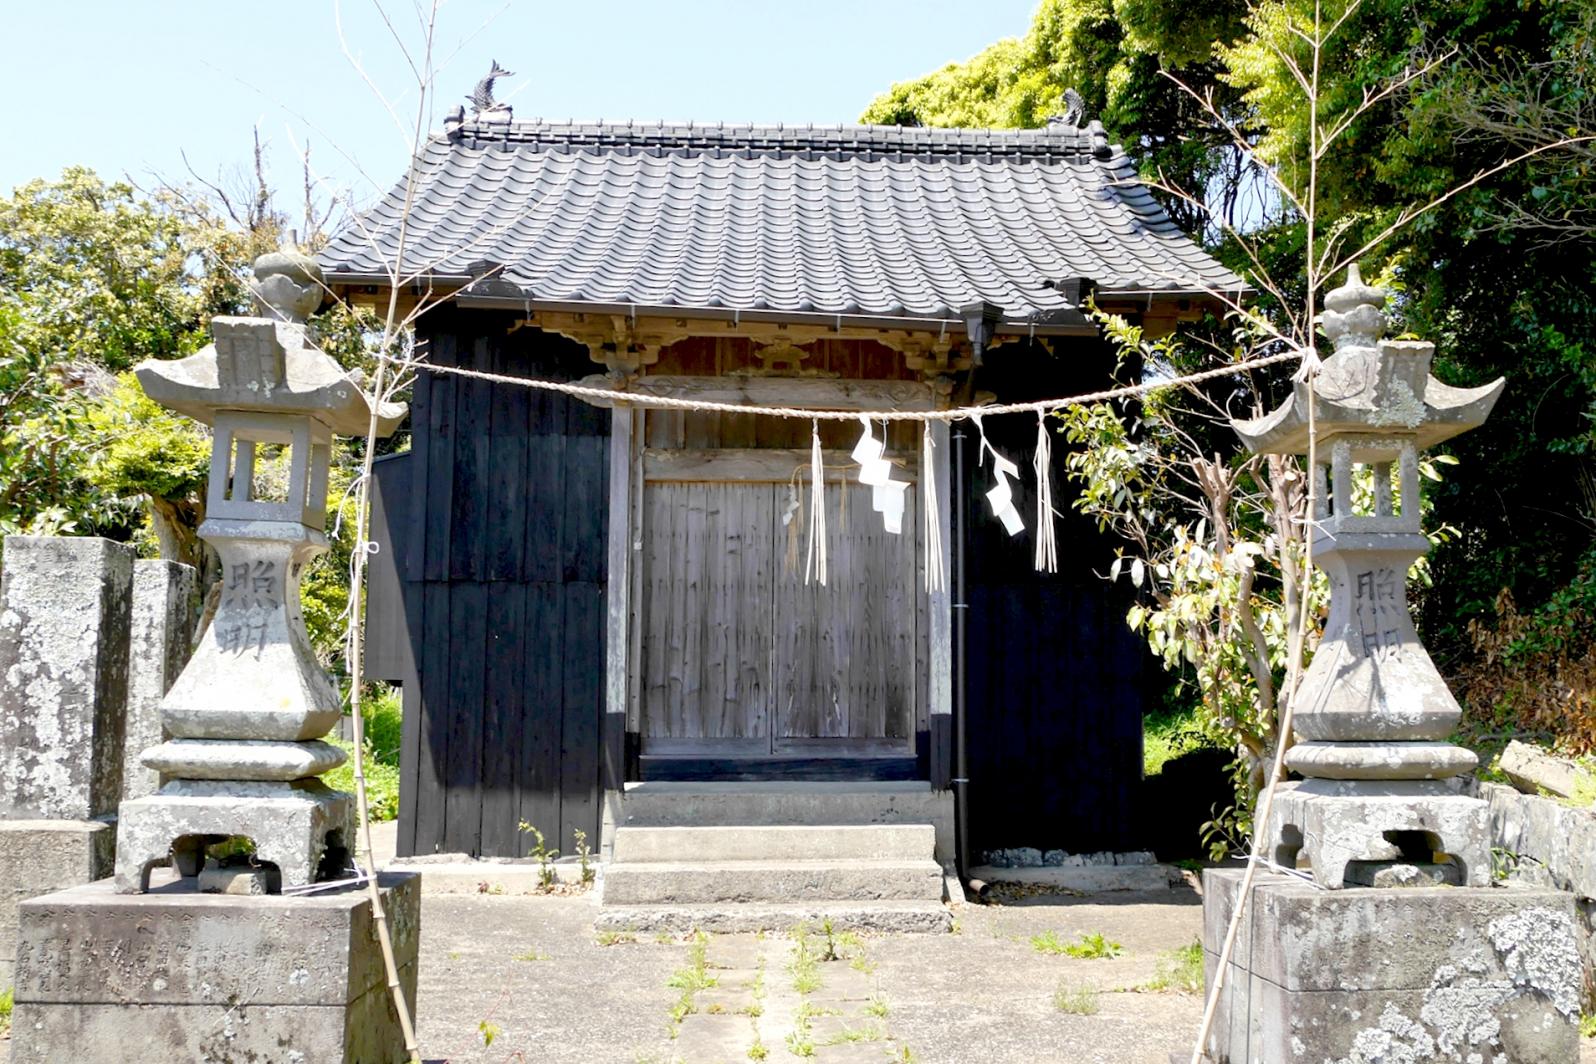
934,577
1046,532
815,566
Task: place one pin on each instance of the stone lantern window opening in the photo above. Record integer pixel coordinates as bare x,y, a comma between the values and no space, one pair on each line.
234,491
1342,504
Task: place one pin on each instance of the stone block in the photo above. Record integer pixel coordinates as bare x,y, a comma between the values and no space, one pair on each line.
182,975
1562,840
41,856
164,613
1418,974
65,607
1533,770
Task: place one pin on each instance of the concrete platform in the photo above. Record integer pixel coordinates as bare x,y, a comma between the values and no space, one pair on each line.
179,975
1429,973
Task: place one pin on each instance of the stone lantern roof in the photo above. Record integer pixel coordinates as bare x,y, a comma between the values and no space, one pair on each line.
1370,385
269,364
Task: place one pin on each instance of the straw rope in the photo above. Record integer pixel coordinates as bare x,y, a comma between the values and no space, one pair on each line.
668,402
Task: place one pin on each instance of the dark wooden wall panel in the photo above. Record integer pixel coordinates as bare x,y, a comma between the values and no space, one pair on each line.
1055,682
497,521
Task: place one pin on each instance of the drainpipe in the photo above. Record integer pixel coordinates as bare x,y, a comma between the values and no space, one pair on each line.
980,321
961,780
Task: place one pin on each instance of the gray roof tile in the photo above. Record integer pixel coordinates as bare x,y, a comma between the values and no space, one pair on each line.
872,221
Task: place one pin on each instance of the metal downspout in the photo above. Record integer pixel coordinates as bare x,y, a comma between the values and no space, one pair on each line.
961,781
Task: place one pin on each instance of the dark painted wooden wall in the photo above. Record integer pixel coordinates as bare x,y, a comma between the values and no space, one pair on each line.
494,528
1055,682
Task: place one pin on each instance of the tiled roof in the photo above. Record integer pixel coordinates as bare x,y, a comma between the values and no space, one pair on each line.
867,222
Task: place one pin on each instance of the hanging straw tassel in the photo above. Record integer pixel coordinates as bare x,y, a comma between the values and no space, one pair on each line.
816,564
933,518
1046,535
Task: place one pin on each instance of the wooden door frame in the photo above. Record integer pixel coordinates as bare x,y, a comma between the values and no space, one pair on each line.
623,629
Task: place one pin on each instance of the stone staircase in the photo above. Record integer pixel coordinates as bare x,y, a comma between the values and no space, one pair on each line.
748,857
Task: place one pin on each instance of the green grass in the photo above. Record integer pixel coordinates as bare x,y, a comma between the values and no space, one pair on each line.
1168,734
5,1012
1180,969
382,722
1587,1022
1089,947
1075,1000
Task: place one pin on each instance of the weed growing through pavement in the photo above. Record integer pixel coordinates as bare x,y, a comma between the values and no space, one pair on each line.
877,1006
533,955
1075,1000
1090,947
805,965
757,1051
544,856
1587,1024
584,856
690,980
488,1032
1179,969
5,1012
616,938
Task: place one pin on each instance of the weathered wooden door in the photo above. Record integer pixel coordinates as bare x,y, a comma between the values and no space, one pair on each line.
737,655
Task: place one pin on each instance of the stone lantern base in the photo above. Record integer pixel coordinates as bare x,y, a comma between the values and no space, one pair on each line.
1488,974
294,825
103,978
1350,827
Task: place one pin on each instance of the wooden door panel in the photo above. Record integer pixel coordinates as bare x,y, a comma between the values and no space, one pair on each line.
708,556
845,654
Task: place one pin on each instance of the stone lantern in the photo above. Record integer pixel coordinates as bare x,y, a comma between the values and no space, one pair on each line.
248,714
1373,714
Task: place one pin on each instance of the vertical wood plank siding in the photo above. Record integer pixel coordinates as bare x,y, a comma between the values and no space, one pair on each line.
1055,683
497,522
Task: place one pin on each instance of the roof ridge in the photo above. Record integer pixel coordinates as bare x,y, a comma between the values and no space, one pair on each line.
1053,141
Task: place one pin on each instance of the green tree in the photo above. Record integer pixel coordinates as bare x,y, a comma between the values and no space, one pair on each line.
1431,109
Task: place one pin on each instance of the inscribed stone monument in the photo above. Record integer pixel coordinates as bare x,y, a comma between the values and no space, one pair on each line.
64,616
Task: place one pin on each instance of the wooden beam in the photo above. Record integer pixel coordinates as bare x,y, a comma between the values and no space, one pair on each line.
940,608
752,465
617,638
807,393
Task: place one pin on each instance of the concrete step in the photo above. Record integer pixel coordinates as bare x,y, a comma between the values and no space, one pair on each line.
782,842
925,917
671,883
665,804
656,803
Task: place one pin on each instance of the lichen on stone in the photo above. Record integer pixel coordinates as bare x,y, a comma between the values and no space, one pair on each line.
1538,950
1401,406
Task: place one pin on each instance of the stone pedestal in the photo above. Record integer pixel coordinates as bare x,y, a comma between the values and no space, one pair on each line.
177,975
300,826
40,856
1345,824
1360,976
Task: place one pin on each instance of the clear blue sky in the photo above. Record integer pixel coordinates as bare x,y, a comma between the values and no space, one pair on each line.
125,86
